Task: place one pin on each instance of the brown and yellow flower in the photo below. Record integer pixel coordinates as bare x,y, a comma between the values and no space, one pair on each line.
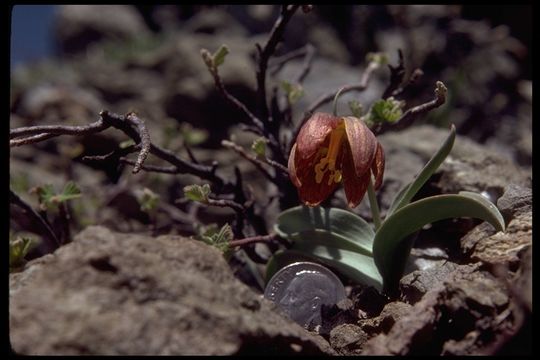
330,150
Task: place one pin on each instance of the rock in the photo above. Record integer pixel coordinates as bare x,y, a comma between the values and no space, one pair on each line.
464,314
391,313
112,293
347,339
214,21
78,26
468,167
516,199
414,285
503,247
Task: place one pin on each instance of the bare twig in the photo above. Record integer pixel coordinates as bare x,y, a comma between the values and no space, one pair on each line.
145,140
278,62
306,66
278,166
258,163
396,76
408,117
226,203
52,241
94,127
416,74
361,86
31,139
152,168
253,240
287,11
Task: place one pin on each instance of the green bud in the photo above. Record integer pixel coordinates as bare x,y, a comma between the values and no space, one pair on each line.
197,192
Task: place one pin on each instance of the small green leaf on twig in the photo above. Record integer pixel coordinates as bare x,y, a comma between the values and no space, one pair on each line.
197,192
294,91
148,200
18,248
217,238
379,57
356,108
259,147
49,199
219,55
126,144
193,136
389,110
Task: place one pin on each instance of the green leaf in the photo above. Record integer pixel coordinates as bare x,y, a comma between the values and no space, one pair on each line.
259,146
18,248
357,267
193,136
148,200
379,57
407,193
388,251
219,55
356,108
126,144
197,192
219,239
389,110
71,191
337,225
294,91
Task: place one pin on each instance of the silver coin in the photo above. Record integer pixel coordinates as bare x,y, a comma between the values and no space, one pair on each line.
300,289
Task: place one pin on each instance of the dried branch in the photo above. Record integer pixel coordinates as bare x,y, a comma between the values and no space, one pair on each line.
145,140
94,127
361,86
226,203
50,238
278,62
416,74
397,73
242,152
253,240
31,139
306,65
410,115
287,11
151,168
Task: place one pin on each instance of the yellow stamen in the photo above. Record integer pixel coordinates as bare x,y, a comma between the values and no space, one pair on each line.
328,162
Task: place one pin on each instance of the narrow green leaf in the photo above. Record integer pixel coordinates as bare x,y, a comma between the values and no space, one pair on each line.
357,267
337,224
219,55
388,252
405,196
282,258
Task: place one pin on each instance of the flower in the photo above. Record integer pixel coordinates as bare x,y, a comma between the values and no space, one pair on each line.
330,150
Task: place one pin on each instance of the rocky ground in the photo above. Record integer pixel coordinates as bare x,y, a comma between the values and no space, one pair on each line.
132,282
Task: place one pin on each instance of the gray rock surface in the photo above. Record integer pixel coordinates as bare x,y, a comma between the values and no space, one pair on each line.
484,244
463,315
77,26
112,293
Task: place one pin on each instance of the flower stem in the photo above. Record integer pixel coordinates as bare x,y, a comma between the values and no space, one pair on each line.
373,205
334,107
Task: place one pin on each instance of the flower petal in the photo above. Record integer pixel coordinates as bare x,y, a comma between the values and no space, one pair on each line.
311,193
355,186
292,168
313,133
378,166
362,142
